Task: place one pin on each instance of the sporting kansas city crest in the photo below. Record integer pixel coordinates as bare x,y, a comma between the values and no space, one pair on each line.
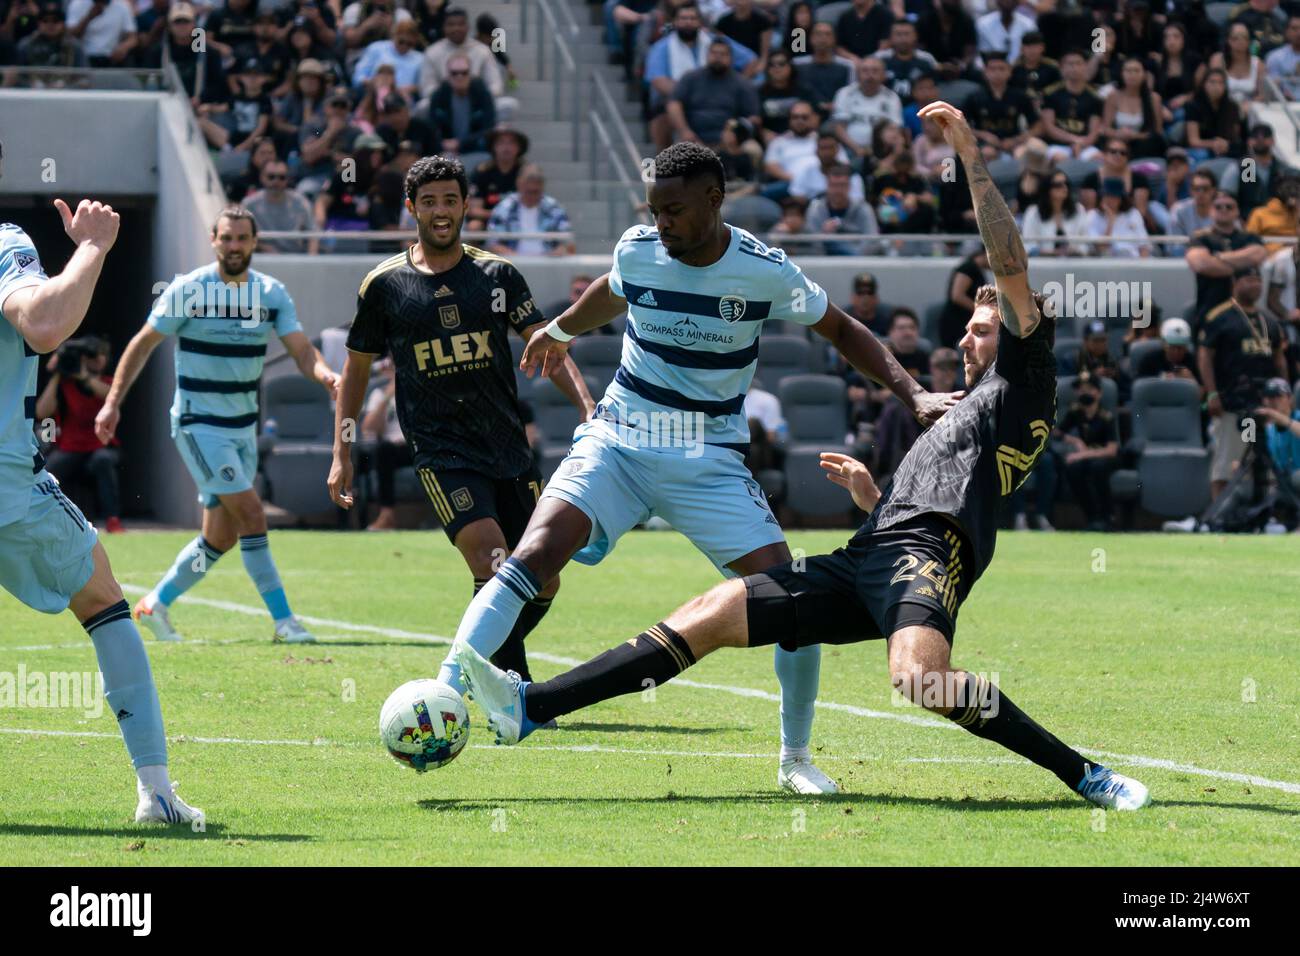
731,308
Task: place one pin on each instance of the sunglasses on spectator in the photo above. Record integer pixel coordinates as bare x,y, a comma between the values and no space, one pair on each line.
1225,205
275,177
1117,152
458,72
865,289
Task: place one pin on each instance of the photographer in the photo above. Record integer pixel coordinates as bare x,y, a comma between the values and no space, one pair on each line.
1240,348
1282,428
72,398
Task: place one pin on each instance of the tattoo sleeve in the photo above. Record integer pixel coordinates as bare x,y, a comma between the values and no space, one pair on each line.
1001,238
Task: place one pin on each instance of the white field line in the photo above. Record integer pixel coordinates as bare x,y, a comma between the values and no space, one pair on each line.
1132,760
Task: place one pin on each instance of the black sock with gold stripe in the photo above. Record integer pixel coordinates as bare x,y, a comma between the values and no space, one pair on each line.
986,712
651,658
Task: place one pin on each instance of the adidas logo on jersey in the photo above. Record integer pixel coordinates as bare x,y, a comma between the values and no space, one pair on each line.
443,291
647,298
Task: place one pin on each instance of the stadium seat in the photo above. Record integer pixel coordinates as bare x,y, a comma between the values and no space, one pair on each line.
1220,13
1077,170
1006,175
1139,351
556,418
755,213
473,161
815,411
831,12
302,451
598,358
1216,165
1066,351
958,92
780,356
1173,468
1065,394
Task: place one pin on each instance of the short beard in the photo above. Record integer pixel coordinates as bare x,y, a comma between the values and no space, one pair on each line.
979,376
427,238
245,262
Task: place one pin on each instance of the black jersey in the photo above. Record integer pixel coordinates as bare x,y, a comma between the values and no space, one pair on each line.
1073,111
449,337
983,448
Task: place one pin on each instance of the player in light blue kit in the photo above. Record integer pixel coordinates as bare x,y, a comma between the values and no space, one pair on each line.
223,314
50,555
668,438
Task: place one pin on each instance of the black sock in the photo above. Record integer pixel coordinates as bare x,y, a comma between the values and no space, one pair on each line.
510,656
655,656
987,712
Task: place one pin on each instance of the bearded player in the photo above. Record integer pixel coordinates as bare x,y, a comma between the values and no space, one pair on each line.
223,314
669,438
50,555
445,311
906,571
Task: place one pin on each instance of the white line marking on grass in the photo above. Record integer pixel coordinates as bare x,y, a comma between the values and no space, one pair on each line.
419,637
1118,760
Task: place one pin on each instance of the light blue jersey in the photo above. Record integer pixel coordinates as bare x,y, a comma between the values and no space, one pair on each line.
691,344
223,330
20,456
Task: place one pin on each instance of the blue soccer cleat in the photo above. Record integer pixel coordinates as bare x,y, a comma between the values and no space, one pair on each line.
500,694
1113,791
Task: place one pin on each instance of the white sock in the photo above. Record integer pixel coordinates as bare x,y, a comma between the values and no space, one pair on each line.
789,754
155,778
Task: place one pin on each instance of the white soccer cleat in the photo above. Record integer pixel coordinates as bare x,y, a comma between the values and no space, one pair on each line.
164,808
156,619
800,775
1113,791
500,694
292,632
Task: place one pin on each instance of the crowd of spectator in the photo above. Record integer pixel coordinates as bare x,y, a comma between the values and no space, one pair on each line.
1097,116
314,109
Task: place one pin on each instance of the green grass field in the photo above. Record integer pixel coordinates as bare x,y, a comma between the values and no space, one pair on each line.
1179,657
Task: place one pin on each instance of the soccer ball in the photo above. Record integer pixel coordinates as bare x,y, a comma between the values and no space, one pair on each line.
424,724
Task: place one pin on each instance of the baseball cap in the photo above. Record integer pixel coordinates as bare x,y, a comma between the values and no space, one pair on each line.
181,11
1095,327
394,102
864,279
1176,152
1261,129
1112,186
1176,332
368,141
1246,270
49,8
1276,387
311,67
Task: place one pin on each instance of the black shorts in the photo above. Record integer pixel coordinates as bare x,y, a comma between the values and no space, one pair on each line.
461,496
914,573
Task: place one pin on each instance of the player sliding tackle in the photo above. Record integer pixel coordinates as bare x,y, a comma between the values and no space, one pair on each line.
668,437
904,574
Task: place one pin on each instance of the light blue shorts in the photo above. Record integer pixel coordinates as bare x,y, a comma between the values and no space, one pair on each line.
712,499
45,558
220,461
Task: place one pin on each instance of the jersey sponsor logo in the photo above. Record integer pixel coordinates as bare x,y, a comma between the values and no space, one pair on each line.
442,292
1011,460
454,351
647,298
462,500
731,308
685,332
25,262
525,309
449,315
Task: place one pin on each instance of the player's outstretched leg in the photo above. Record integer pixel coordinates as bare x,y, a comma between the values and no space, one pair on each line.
191,564
920,670
556,530
515,708
131,693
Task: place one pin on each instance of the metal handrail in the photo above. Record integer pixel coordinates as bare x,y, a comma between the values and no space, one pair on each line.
604,98
634,199
549,25
143,74
1275,94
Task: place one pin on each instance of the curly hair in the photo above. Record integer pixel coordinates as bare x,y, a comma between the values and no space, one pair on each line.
432,169
690,161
